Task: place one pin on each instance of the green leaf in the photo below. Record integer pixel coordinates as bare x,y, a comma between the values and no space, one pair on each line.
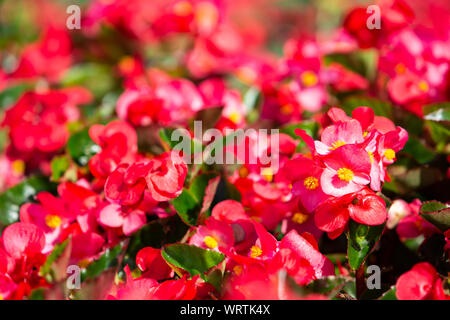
81,148
251,99
199,185
430,108
381,108
225,191
37,294
10,95
432,206
155,234
187,207
231,192
165,135
413,244
361,240
389,295
109,259
12,199
59,166
55,254
189,203
437,213
96,77
360,61
329,284
54,269
410,122
442,114
311,128
418,151
215,278
440,133
3,139
193,259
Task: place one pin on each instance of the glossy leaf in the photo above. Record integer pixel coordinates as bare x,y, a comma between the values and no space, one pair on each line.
310,127
187,207
109,259
389,295
251,98
381,108
12,199
59,166
437,213
96,77
361,240
81,148
418,151
189,204
10,95
193,259
55,254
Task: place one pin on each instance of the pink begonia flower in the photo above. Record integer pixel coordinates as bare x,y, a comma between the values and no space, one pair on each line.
347,170
339,134
214,235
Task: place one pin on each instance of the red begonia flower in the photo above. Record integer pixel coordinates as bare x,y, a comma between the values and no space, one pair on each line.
422,282
166,176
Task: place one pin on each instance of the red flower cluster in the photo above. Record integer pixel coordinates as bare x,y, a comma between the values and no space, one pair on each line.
342,163
351,156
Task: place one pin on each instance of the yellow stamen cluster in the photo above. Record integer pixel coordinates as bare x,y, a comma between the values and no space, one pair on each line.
255,252
267,174
345,174
235,117
423,85
311,183
299,218
210,242
389,154
309,78
53,221
337,144
18,166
